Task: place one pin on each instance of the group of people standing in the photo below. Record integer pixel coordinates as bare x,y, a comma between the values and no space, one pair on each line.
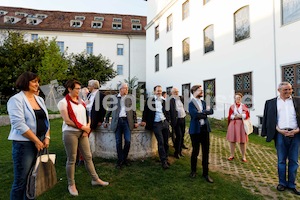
30,130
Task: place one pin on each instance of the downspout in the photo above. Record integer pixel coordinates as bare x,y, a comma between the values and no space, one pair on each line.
128,36
275,57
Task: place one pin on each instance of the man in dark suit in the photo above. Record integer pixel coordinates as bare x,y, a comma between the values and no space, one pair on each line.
123,121
156,118
95,104
199,131
281,123
177,115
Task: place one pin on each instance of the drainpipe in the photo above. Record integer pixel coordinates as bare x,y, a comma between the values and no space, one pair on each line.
128,36
275,58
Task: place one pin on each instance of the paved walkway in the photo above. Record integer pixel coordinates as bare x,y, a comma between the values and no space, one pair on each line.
259,174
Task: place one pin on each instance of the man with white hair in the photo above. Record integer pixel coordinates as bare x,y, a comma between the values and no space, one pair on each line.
122,110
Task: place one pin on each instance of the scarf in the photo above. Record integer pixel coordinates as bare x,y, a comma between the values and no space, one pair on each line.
71,112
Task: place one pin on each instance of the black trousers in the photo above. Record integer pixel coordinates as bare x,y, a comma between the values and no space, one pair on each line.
179,132
161,132
203,139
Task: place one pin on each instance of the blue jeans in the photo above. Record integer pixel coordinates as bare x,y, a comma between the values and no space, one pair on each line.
24,156
287,148
123,127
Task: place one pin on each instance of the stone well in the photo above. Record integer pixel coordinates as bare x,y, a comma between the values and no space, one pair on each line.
103,143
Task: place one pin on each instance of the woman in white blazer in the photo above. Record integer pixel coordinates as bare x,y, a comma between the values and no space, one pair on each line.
30,130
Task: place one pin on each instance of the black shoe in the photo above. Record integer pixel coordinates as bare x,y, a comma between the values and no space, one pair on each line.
184,147
80,163
193,174
165,165
176,156
181,155
126,163
295,191
208,179
280,187
118,166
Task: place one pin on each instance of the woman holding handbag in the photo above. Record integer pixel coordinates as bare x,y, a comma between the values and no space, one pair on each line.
75,134
30,130
236,132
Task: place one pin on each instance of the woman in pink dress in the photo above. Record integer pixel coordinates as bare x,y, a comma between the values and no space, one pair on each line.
236,131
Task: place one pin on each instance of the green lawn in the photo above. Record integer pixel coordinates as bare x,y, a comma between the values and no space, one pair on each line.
142,180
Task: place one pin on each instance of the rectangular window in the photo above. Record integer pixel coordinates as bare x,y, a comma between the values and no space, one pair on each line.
168,90
96,24
136,27
208,39
186,91
169,23
157,63
210,92
185,9
186,49
291,74
120,49
156,32
120,69
61,46
89,48
243,84
290,11
34,37
116,26
241,24
169,57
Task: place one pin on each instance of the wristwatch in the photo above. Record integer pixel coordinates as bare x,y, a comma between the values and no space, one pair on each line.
47,137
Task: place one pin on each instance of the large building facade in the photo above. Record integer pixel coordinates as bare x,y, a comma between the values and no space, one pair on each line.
120,38
246,46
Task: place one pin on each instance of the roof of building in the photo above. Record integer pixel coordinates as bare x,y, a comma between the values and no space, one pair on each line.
46,20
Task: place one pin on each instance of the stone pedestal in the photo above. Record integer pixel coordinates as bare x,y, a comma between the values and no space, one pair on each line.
103,143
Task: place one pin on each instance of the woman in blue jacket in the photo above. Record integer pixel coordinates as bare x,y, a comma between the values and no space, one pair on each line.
30,130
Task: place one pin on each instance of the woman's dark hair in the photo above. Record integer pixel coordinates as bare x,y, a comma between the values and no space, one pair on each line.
23,80
70,84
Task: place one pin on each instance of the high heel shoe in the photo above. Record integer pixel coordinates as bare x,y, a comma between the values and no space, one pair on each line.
104,183
73,193
230,158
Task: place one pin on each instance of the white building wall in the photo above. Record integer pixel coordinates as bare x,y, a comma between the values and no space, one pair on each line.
255,54
106,44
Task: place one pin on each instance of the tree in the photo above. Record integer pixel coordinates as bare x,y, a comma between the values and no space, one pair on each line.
18,55
85,67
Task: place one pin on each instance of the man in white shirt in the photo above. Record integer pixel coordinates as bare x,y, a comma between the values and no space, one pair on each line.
281,123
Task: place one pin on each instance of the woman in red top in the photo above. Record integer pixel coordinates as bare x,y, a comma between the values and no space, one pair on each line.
236,131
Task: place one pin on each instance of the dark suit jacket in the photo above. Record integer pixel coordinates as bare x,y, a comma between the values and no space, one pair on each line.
270,117
196,115
97,111
149,115
130,114
173,111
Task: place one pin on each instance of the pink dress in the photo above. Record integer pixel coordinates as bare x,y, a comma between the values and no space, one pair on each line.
236,131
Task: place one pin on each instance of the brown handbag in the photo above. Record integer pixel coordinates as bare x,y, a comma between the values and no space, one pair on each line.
42,176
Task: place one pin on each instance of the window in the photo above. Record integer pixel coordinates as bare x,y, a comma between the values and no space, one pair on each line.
75,23
169,23
290,11
99,18
168,90
96,24
136,27
157,63
120,69
208,38
291,74
210,92
185,9
80,17
186,91
243,84
61,46
205,1
89,48
241,24
186,49
34,37
117,26
156,32
120,49
169,57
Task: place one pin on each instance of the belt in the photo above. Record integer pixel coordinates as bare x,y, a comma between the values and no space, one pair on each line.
124,118
287,129
162,121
